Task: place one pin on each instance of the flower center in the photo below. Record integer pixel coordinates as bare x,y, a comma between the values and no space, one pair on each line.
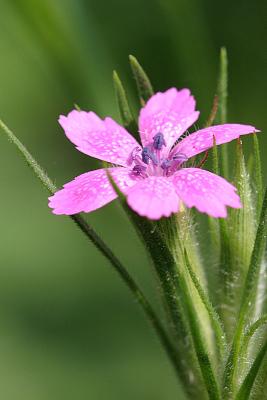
151,160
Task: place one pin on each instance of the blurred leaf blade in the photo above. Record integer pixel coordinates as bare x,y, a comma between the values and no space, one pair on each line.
258,173
144,87
247,385
222,92
124,108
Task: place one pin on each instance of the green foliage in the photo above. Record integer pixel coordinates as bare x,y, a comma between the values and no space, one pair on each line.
208,349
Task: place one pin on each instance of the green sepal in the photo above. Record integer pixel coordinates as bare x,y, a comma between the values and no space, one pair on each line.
144,87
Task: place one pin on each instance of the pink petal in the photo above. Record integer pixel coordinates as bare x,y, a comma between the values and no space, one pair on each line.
202,140
208,192
89,191
171,113
103,139
153,197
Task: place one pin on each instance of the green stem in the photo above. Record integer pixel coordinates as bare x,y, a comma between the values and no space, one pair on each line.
222,104
103,248
214,317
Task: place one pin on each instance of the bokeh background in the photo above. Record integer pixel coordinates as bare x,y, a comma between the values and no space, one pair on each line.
68,328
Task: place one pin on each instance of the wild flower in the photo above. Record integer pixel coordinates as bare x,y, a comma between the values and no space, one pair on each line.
154,177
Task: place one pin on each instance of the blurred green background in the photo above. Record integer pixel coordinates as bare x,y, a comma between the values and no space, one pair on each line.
68,327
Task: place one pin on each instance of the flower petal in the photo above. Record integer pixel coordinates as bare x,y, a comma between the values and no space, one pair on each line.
202,140
208,192
171,113
90,191
153,197
103,139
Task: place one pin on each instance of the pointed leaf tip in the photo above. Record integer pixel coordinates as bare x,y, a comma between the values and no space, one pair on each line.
144,87
125,112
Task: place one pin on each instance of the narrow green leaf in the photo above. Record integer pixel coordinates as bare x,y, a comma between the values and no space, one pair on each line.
125,112
258,173
243,230
205,364
251,331
247,385
222,104
144,86
256,257
214,317
248,293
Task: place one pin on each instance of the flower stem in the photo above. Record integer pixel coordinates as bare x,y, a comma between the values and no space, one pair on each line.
103,248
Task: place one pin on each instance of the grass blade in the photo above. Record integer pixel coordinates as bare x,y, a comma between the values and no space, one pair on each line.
251,331
247,385
258,173
214,317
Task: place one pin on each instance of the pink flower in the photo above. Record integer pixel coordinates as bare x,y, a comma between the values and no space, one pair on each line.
153,176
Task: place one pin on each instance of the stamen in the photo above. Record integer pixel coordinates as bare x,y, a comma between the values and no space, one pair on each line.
158,141
180,157
134,154
138,170
147,155
166,164
169,166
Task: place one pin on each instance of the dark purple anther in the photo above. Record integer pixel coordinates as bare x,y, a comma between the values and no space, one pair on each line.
158,141
166,164
147,155
138,169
